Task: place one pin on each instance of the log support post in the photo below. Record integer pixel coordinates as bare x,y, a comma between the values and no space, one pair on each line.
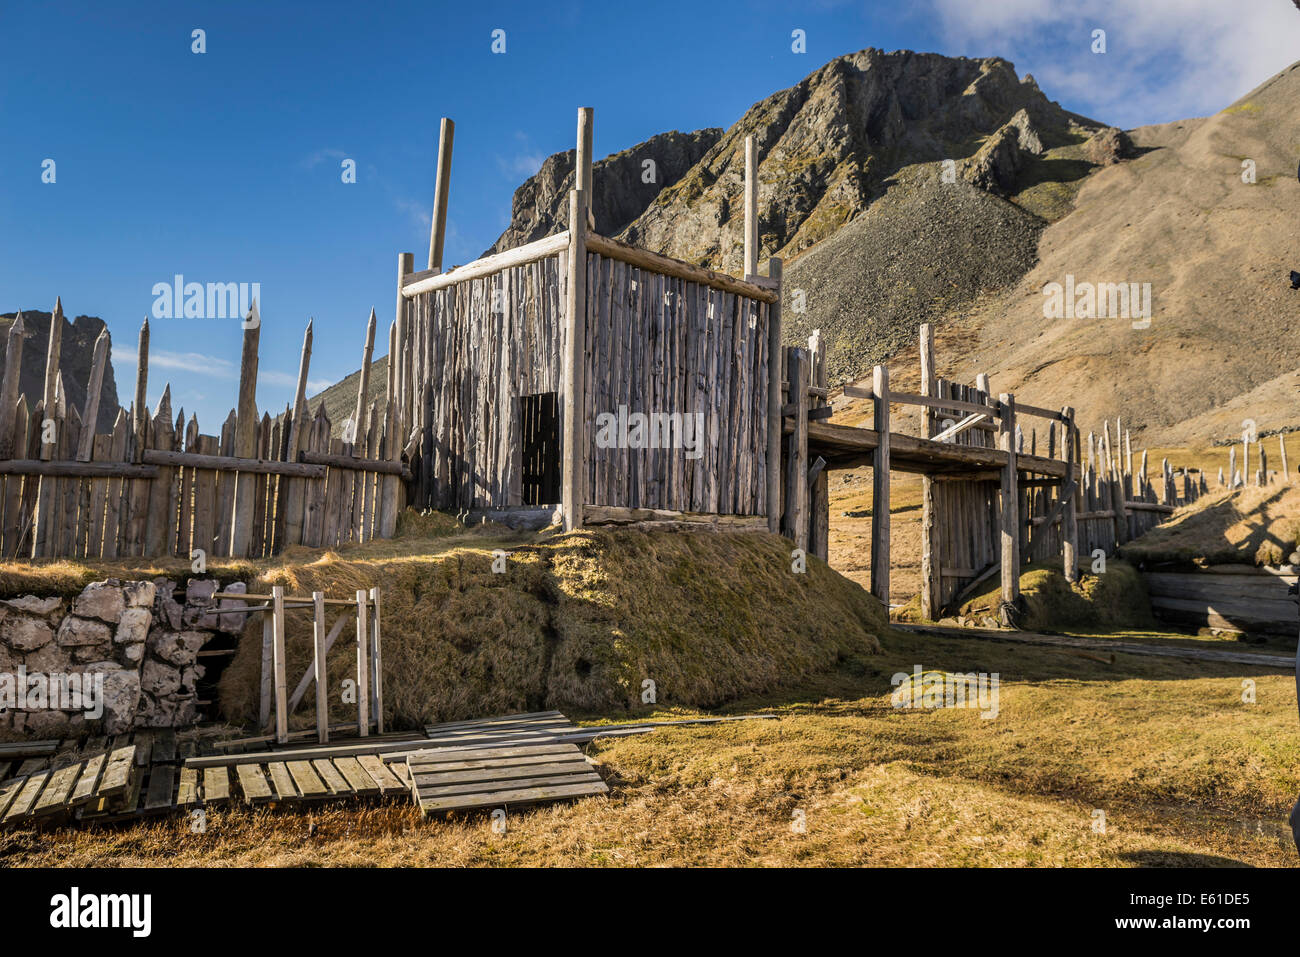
931,559
1069,516
819,519
795,522
573,482
1010,507
319,647
880,488
438,230
775,376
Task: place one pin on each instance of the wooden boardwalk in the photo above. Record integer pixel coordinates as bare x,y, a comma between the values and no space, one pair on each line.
462,765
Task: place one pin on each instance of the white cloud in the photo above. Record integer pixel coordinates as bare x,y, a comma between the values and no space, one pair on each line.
1165,59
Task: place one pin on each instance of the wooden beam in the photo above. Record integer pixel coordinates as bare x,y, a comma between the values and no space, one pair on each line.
319,650
9,387
90,409
241,526
279,666
52,358
438,229
795,524
931,556
77,469
1069,520
880,488
644,259
954,430
416,284
751,207
376,661
360,418
363,663
1010,505
573,483
775,375
582,172
228,463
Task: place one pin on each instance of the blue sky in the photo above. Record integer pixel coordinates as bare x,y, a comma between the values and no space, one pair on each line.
225,166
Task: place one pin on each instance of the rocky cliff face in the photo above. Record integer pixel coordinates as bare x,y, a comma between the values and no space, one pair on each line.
828,147
77,350
623,185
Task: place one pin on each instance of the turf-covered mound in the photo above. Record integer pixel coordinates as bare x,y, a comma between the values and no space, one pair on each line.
1255,525
575,622
1117,598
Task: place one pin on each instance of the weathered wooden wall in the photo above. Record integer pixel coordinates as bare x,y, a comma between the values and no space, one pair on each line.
661,344
477,347
654,344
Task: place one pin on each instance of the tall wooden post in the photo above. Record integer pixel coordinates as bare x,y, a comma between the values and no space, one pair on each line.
1010,501
391,484
141,384
819,517
1281,447
241,526
363,664
775,375
9,391
318,661
1069,515
795,523
438,231
582,173
880,488
52,359
280,666
295,488
751,208
376,662
931,560
399,353
573,483
268,672
360,423
90,409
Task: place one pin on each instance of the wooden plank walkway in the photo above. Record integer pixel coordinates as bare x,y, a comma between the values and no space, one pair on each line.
450,779
511,759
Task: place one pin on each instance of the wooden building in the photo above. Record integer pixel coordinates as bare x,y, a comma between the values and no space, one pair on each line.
582,374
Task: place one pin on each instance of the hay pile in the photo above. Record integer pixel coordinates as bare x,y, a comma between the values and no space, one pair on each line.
1255,525
577,622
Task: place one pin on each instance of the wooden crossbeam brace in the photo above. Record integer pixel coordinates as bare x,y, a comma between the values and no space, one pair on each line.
960,427
815,469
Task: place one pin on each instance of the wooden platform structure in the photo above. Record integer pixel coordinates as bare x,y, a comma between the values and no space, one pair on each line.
510,365
990,500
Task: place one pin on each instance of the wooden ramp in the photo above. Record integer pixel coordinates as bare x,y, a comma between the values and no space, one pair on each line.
455,779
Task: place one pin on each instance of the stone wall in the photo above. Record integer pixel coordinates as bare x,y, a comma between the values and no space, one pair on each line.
144,637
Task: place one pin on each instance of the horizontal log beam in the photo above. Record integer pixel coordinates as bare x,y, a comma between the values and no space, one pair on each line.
619,515
232,463
77,469
382,466
430,280
666,266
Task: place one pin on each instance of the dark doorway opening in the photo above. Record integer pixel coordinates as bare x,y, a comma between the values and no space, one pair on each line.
540,416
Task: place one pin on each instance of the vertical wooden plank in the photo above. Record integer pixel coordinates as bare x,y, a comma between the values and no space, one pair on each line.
280,666
573,482
94,386
442,185
363,664
161,495
1010,505
880,487
377,660
245,486
1069,522
9,386
931,557
751,208
318,663
268,671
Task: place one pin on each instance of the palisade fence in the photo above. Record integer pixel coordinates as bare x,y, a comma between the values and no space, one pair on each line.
157,486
